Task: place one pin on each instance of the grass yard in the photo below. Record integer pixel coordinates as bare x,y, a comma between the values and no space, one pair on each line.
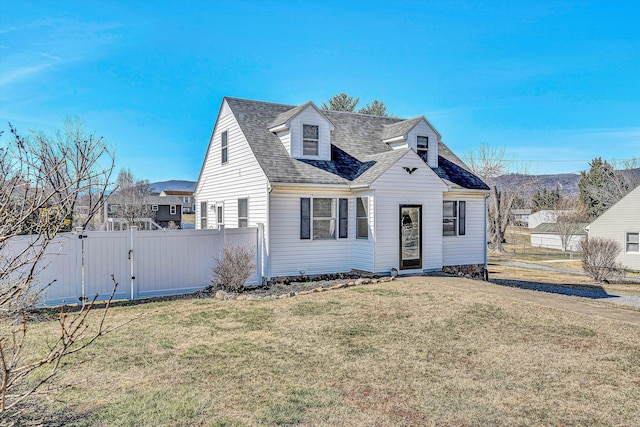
415,351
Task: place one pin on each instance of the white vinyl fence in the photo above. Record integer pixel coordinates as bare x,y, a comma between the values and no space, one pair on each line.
144,263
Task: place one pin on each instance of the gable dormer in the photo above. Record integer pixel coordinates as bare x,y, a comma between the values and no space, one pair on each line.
417,134
305,132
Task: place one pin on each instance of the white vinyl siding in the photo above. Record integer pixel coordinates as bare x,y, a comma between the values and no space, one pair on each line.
422,187
423,129
309,116
289,253
616,223
240,177
469,248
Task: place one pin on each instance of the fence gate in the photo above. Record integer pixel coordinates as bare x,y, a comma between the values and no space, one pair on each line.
144,264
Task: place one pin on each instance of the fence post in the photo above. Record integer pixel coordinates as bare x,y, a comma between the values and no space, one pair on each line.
259,252
132,275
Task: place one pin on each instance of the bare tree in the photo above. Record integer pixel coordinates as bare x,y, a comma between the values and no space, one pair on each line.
131,200
489,163
571,219
42,178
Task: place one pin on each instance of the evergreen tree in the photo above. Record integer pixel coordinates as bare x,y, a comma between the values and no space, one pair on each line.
597,186
543,199
344,102
375,108
341,102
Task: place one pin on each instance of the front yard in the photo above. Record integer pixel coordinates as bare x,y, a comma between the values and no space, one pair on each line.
415,351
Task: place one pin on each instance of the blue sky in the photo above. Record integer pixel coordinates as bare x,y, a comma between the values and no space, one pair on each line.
556,83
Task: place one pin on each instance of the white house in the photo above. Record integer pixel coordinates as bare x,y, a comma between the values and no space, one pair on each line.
340,191
621,222
549,235
544,217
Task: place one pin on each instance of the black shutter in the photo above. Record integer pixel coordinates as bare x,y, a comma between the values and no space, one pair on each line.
305,218
462,217
343,215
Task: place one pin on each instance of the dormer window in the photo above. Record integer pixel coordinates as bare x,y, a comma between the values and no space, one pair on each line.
310,140
422,146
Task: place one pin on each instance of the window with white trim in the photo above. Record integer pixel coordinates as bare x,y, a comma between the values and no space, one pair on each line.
310,140
203,215
632,243
243,212
172,210
154,208
454,218
324,218
186,200
224,146
362,218
219,217
422,146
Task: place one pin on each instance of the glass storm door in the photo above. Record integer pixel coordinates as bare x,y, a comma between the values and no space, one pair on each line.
410,237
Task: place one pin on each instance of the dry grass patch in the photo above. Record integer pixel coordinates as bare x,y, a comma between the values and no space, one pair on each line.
409,352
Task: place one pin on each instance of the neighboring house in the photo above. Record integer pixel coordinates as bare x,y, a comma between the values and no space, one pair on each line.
340,191
544,216
521,216
186,197
549,235
621,222
188,206
164,210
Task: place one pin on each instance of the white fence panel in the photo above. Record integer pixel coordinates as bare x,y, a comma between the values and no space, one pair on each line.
106,253
58,269
173,262
144,263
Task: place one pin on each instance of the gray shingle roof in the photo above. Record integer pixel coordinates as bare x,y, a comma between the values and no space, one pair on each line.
358,155
399,128
552,228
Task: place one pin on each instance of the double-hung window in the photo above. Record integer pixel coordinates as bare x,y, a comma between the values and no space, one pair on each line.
154,208
324,218
633,242
172,210
454,218
219,217
310,134
203,215
362,218
243,212
224,144
422,146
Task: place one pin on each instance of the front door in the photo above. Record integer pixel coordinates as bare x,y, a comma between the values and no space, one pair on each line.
410,237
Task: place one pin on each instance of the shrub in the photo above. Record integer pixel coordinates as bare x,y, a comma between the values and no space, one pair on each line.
233,267
599,258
